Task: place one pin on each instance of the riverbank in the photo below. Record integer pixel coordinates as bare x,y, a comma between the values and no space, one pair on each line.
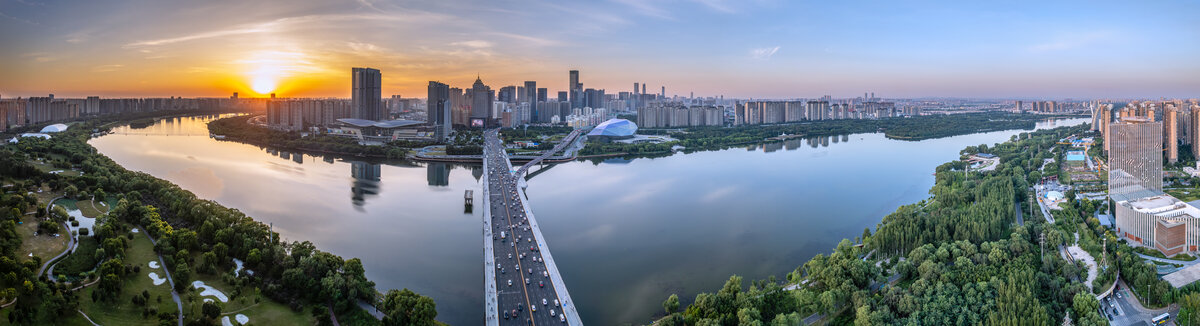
963,237
175,215
238,129
904,128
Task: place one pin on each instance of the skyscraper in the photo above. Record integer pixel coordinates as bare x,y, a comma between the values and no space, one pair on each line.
574,88
1171,134
531,96
438,109
481,101
541,94
1135,165
366,99
562,96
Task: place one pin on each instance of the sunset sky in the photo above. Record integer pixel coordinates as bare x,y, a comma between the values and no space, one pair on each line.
747,48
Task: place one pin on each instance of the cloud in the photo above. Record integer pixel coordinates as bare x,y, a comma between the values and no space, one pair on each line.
1071,41
291,23
478,44
764,53
718,5
645,8
106,68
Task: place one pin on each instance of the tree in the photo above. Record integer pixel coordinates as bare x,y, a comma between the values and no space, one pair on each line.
211,310
1189,310
406,307
671,304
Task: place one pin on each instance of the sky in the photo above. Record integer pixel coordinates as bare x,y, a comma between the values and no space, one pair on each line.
735,48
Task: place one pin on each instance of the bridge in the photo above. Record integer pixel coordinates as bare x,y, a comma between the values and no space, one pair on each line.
566,141
522,285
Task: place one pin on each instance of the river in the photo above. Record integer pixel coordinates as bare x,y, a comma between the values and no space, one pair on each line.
625,233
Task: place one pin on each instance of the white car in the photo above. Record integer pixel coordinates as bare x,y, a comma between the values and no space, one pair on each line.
509,282
544,302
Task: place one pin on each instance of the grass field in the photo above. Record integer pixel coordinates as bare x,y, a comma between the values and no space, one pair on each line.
123,311
45,246
264,312
81,260
47,167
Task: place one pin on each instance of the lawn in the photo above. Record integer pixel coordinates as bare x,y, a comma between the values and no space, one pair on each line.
123,311
47,167
44,246
265,311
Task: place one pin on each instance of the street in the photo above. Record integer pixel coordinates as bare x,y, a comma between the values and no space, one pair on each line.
525,294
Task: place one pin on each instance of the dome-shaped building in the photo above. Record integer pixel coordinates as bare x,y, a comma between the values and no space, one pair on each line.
613,129
58,127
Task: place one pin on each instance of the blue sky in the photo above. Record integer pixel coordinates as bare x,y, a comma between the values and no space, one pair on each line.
750,48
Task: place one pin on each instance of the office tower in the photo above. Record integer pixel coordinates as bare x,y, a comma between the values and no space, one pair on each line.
574,88
438,109
365,96
507,94
1017,109
664,92
541,94
1135,163
643,88
530,92
481,101
562,96
1195,135
1171,134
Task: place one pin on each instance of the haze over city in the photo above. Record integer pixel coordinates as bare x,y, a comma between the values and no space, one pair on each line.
744,49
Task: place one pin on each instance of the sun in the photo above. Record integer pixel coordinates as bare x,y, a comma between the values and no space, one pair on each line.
263,84
266,70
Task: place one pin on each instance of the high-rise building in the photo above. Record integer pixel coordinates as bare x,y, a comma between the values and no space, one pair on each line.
366,97
438,112
531,96
1017,108
541,94
481,101
1171,134
507,94
575,89
1195,135
562,96
1135,162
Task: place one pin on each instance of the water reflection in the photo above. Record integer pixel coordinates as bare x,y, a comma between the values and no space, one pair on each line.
366,182
437,173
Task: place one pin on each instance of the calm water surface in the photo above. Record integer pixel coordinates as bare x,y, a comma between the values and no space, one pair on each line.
624,233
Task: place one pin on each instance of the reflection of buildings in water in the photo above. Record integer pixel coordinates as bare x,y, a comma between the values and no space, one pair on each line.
825,141
298,158
845,138
327,159
772,147
438,174
812,142
366,181
477,172
793,143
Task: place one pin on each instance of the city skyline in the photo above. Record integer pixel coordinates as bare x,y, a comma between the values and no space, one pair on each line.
752,49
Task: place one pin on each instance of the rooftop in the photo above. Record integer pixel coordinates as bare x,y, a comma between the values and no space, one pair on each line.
1185,276
363,123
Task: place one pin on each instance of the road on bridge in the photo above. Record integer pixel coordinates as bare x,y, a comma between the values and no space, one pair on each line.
523,283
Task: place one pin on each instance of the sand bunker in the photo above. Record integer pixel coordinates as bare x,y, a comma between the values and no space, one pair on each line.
157,280
154,264
209,291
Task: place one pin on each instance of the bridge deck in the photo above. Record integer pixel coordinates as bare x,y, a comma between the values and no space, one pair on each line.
518,252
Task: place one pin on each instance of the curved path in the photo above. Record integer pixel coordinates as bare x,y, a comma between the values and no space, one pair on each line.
170,281
70,245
